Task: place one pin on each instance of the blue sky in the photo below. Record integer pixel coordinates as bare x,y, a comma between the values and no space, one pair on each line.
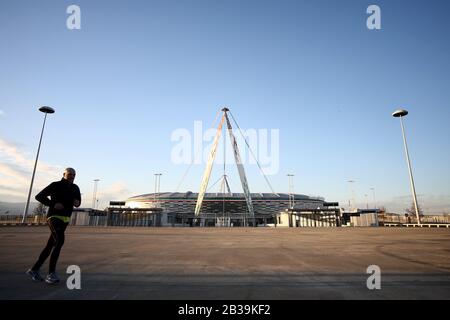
139,70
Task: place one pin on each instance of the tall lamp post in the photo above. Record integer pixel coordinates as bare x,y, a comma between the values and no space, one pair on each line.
291,191
46,110
353,192
400,114
157,185
94,194
374,201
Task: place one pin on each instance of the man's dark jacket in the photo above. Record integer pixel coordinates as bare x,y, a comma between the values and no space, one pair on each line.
62,192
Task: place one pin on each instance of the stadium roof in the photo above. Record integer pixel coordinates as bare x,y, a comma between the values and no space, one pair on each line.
216,195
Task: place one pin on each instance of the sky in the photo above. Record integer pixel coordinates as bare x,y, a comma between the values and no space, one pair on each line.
139,72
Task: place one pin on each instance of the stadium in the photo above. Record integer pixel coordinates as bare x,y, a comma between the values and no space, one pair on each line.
224,208
227,209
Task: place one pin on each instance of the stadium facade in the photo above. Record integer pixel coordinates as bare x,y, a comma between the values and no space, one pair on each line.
223,209
216,203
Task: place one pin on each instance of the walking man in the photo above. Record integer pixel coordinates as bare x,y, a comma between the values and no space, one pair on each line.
64,195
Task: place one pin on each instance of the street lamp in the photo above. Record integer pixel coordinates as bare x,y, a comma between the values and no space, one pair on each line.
46,110
157,185
291,191
94,194
400,114
353,192
374,201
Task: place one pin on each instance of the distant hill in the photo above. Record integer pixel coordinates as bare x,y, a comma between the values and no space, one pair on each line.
15,208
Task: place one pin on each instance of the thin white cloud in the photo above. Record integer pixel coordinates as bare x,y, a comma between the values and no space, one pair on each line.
117,191
15,172
12,196
2,112
10,153
430,204
8,171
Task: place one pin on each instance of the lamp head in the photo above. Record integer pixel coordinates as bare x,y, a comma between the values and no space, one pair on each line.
46,109
400,113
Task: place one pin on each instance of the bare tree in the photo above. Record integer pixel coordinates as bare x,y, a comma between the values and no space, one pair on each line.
412,210
40,210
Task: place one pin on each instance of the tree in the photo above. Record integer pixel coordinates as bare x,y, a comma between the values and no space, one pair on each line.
40,210
412,210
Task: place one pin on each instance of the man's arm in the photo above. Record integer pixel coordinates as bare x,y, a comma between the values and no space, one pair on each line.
77,201
42,196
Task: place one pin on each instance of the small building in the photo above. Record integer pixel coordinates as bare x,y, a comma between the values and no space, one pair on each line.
360,218
327,215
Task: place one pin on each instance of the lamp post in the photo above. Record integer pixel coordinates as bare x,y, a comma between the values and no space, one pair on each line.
400,114
94,194
157,184
353,192
374,201
367,202
46,110
291,191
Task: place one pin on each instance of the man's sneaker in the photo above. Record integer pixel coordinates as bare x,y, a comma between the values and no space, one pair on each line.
35,275
52,278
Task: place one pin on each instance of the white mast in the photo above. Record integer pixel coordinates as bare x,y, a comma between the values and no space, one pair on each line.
207,173
239,165
237,157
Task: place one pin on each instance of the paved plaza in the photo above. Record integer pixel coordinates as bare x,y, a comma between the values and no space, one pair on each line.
232,263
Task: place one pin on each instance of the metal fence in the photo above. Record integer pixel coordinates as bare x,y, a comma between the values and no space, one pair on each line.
428,219
150,218
17,219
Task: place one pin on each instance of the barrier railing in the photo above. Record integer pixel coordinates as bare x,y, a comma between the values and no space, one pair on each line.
17,219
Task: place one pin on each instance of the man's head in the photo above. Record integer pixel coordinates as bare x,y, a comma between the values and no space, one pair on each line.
69,174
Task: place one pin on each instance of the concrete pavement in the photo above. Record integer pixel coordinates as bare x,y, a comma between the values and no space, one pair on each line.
232,263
